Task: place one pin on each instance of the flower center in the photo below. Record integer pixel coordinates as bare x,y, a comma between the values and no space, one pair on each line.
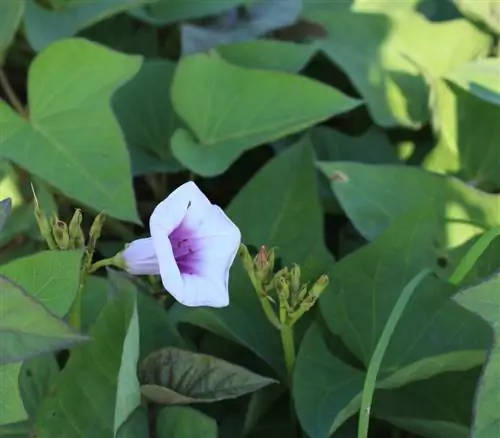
184,245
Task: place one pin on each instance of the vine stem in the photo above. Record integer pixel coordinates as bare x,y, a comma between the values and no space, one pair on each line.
11,95
472,256
378,354
101,264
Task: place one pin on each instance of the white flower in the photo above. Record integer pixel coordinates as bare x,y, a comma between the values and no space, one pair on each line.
192,246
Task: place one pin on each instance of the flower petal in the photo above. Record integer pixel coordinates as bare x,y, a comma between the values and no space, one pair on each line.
186,204
140,258
202,291
218,240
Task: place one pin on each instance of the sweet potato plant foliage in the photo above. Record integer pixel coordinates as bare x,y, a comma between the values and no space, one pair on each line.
348,286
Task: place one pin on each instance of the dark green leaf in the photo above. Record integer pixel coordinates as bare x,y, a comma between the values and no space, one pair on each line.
5,209
184,422
145,112
44,26
164,12
484,300
172,376
98,390
434,334
326,390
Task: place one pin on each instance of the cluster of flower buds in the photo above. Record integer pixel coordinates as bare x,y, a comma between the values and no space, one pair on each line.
62,236
295,298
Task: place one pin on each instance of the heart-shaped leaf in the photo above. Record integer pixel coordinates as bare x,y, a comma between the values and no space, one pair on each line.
173,376
105,367
52,277
27,328
373,196
72,135
231,109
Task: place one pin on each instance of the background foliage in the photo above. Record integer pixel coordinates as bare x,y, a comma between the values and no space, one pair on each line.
360,138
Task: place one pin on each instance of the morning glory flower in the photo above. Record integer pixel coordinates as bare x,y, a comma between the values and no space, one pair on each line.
192,246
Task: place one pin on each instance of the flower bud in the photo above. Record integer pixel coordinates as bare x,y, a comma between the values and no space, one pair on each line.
77,238
282,287
60,233
264,263
295,278
319,287
138,258
246,258
95,232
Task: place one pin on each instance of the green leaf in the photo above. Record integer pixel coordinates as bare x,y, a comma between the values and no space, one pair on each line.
374,196
231,109
11,404
27,328
52,277
98,389
435,408
164,12
277,215
95,295
5,209
145,112
172,376
268,55
483,299
36,377
11,12
372,147
434,334
44,26
487,12
467,107
61,143
184,422
136,426
479,78
121,33
23,387
157,329
259,18
372,49
326,390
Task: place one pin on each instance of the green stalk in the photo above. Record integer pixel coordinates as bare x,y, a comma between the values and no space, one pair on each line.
472,256
378,354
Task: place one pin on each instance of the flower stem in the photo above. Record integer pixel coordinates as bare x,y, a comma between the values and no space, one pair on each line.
288,344
101,264
75,313
11,95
